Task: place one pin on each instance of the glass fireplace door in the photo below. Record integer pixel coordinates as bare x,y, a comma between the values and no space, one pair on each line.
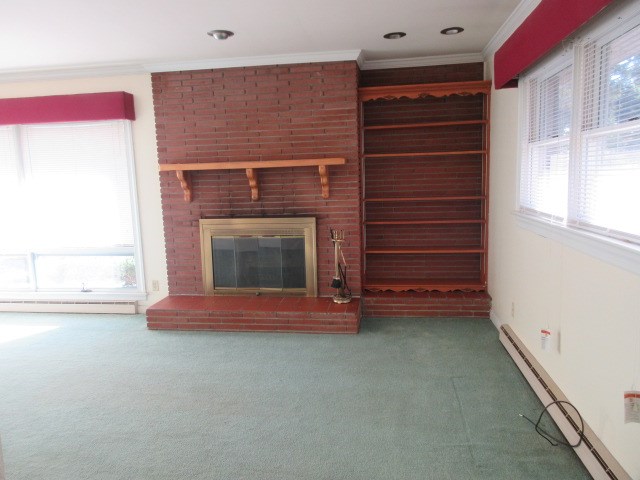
259,262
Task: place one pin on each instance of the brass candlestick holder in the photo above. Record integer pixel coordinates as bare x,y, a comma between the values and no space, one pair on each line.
339,282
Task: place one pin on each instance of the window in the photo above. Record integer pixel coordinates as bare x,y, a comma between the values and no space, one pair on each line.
67,208
545,172
580,157
606,193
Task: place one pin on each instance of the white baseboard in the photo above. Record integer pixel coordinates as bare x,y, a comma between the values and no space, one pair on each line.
601,464
69,307
493,316
1,462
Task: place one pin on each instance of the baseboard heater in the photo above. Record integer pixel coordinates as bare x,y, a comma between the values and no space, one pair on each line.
592,452
51,306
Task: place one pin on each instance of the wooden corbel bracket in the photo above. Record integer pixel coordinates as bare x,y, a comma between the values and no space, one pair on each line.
252,175
324,180
184,183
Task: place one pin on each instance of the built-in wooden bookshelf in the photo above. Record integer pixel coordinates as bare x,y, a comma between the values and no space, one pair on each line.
425,180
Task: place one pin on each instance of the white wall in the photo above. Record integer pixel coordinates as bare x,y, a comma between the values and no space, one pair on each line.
144,138
592,308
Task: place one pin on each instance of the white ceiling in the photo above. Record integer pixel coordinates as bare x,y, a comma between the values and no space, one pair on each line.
38,36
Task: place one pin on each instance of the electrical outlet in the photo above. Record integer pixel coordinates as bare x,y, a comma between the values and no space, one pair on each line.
155,285
513,309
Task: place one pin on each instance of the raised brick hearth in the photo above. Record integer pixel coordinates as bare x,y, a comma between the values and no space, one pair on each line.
254,313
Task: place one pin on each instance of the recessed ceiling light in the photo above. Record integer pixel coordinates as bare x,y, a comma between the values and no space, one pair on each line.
452,30
220,34
394,35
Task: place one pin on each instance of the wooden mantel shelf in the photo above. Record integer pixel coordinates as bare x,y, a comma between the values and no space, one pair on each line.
251,169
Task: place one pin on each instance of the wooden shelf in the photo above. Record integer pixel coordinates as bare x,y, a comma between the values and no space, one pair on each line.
418,284
424,90
251,170
424,222
430,251
425,199
424,154
425,125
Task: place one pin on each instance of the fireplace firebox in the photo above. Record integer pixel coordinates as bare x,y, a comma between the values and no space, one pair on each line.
270,255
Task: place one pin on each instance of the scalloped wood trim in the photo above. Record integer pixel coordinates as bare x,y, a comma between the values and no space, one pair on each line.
424,90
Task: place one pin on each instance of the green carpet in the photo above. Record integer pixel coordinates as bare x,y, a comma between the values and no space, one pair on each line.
102,397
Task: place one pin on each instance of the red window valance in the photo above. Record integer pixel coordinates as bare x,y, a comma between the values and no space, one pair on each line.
550,23
67,108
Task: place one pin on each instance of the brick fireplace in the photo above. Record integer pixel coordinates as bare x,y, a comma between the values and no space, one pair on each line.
278,114
305,111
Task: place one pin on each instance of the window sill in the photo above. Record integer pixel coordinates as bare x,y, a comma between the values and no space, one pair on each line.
74,296
617,253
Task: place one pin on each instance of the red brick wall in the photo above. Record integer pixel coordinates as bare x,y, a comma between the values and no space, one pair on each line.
417,177
428,304
424,267
463,72
259,113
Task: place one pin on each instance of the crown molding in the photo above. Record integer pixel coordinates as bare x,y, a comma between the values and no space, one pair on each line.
521,12
422,61
358,56
109,70
105,70
285,59
360,60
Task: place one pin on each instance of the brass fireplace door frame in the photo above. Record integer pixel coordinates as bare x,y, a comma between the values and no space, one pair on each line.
230,227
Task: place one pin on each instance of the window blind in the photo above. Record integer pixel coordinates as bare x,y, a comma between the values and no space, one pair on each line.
545,166
11,211
78,185
606,190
